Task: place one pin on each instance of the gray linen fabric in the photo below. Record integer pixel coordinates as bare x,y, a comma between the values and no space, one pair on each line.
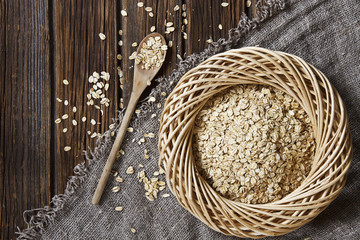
324,33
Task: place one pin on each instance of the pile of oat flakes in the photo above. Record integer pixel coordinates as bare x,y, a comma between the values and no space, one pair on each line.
253,144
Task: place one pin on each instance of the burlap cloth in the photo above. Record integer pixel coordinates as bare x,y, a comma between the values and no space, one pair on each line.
324,33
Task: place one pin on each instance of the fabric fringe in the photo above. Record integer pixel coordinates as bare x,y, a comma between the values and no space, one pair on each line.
38,219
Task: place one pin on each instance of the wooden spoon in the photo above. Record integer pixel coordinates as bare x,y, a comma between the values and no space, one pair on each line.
140,82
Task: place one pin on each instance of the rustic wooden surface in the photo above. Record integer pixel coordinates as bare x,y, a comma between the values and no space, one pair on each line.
43,42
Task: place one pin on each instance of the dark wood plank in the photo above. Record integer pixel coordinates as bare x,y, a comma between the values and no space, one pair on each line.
25,110
250,8
80,52
204,20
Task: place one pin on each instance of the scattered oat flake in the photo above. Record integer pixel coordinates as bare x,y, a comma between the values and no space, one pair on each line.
209,40
115,189
102,36
224,4
93,135
58,120
152,99
137,111
88,132
152,29
134,44
170,29
74,109
185,21
153,115
176,8
67,148
120,32
123,13
114,172
159,105
130,129
148,9
96,75
184,7
169,24
248,3
58,99
151,135
92,121
83,119
130,170
119,208
133,56
140,4
151,14
140,165
165,195
105,75
66,102
74,122
65,130
120,43
119,179
65,82
220,27
170,44
179,57
133,230
65,116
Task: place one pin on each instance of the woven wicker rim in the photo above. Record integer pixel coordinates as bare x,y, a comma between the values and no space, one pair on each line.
286,72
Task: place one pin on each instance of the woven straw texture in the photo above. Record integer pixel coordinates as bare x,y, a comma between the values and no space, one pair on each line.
290,74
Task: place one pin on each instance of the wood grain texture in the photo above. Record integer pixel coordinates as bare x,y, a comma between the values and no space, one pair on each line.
79,53
25,110
43,42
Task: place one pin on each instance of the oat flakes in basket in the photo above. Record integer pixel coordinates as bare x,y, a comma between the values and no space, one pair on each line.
272,168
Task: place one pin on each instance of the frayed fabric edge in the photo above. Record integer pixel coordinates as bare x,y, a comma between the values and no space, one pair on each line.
38,219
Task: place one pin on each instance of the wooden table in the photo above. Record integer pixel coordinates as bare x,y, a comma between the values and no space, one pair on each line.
43,42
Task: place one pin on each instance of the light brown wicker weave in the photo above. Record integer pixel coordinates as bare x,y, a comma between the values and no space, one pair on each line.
291,74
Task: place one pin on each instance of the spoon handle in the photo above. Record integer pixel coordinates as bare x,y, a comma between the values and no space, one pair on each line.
115,148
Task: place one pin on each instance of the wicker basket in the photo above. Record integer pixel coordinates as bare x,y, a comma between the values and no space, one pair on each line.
291,74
